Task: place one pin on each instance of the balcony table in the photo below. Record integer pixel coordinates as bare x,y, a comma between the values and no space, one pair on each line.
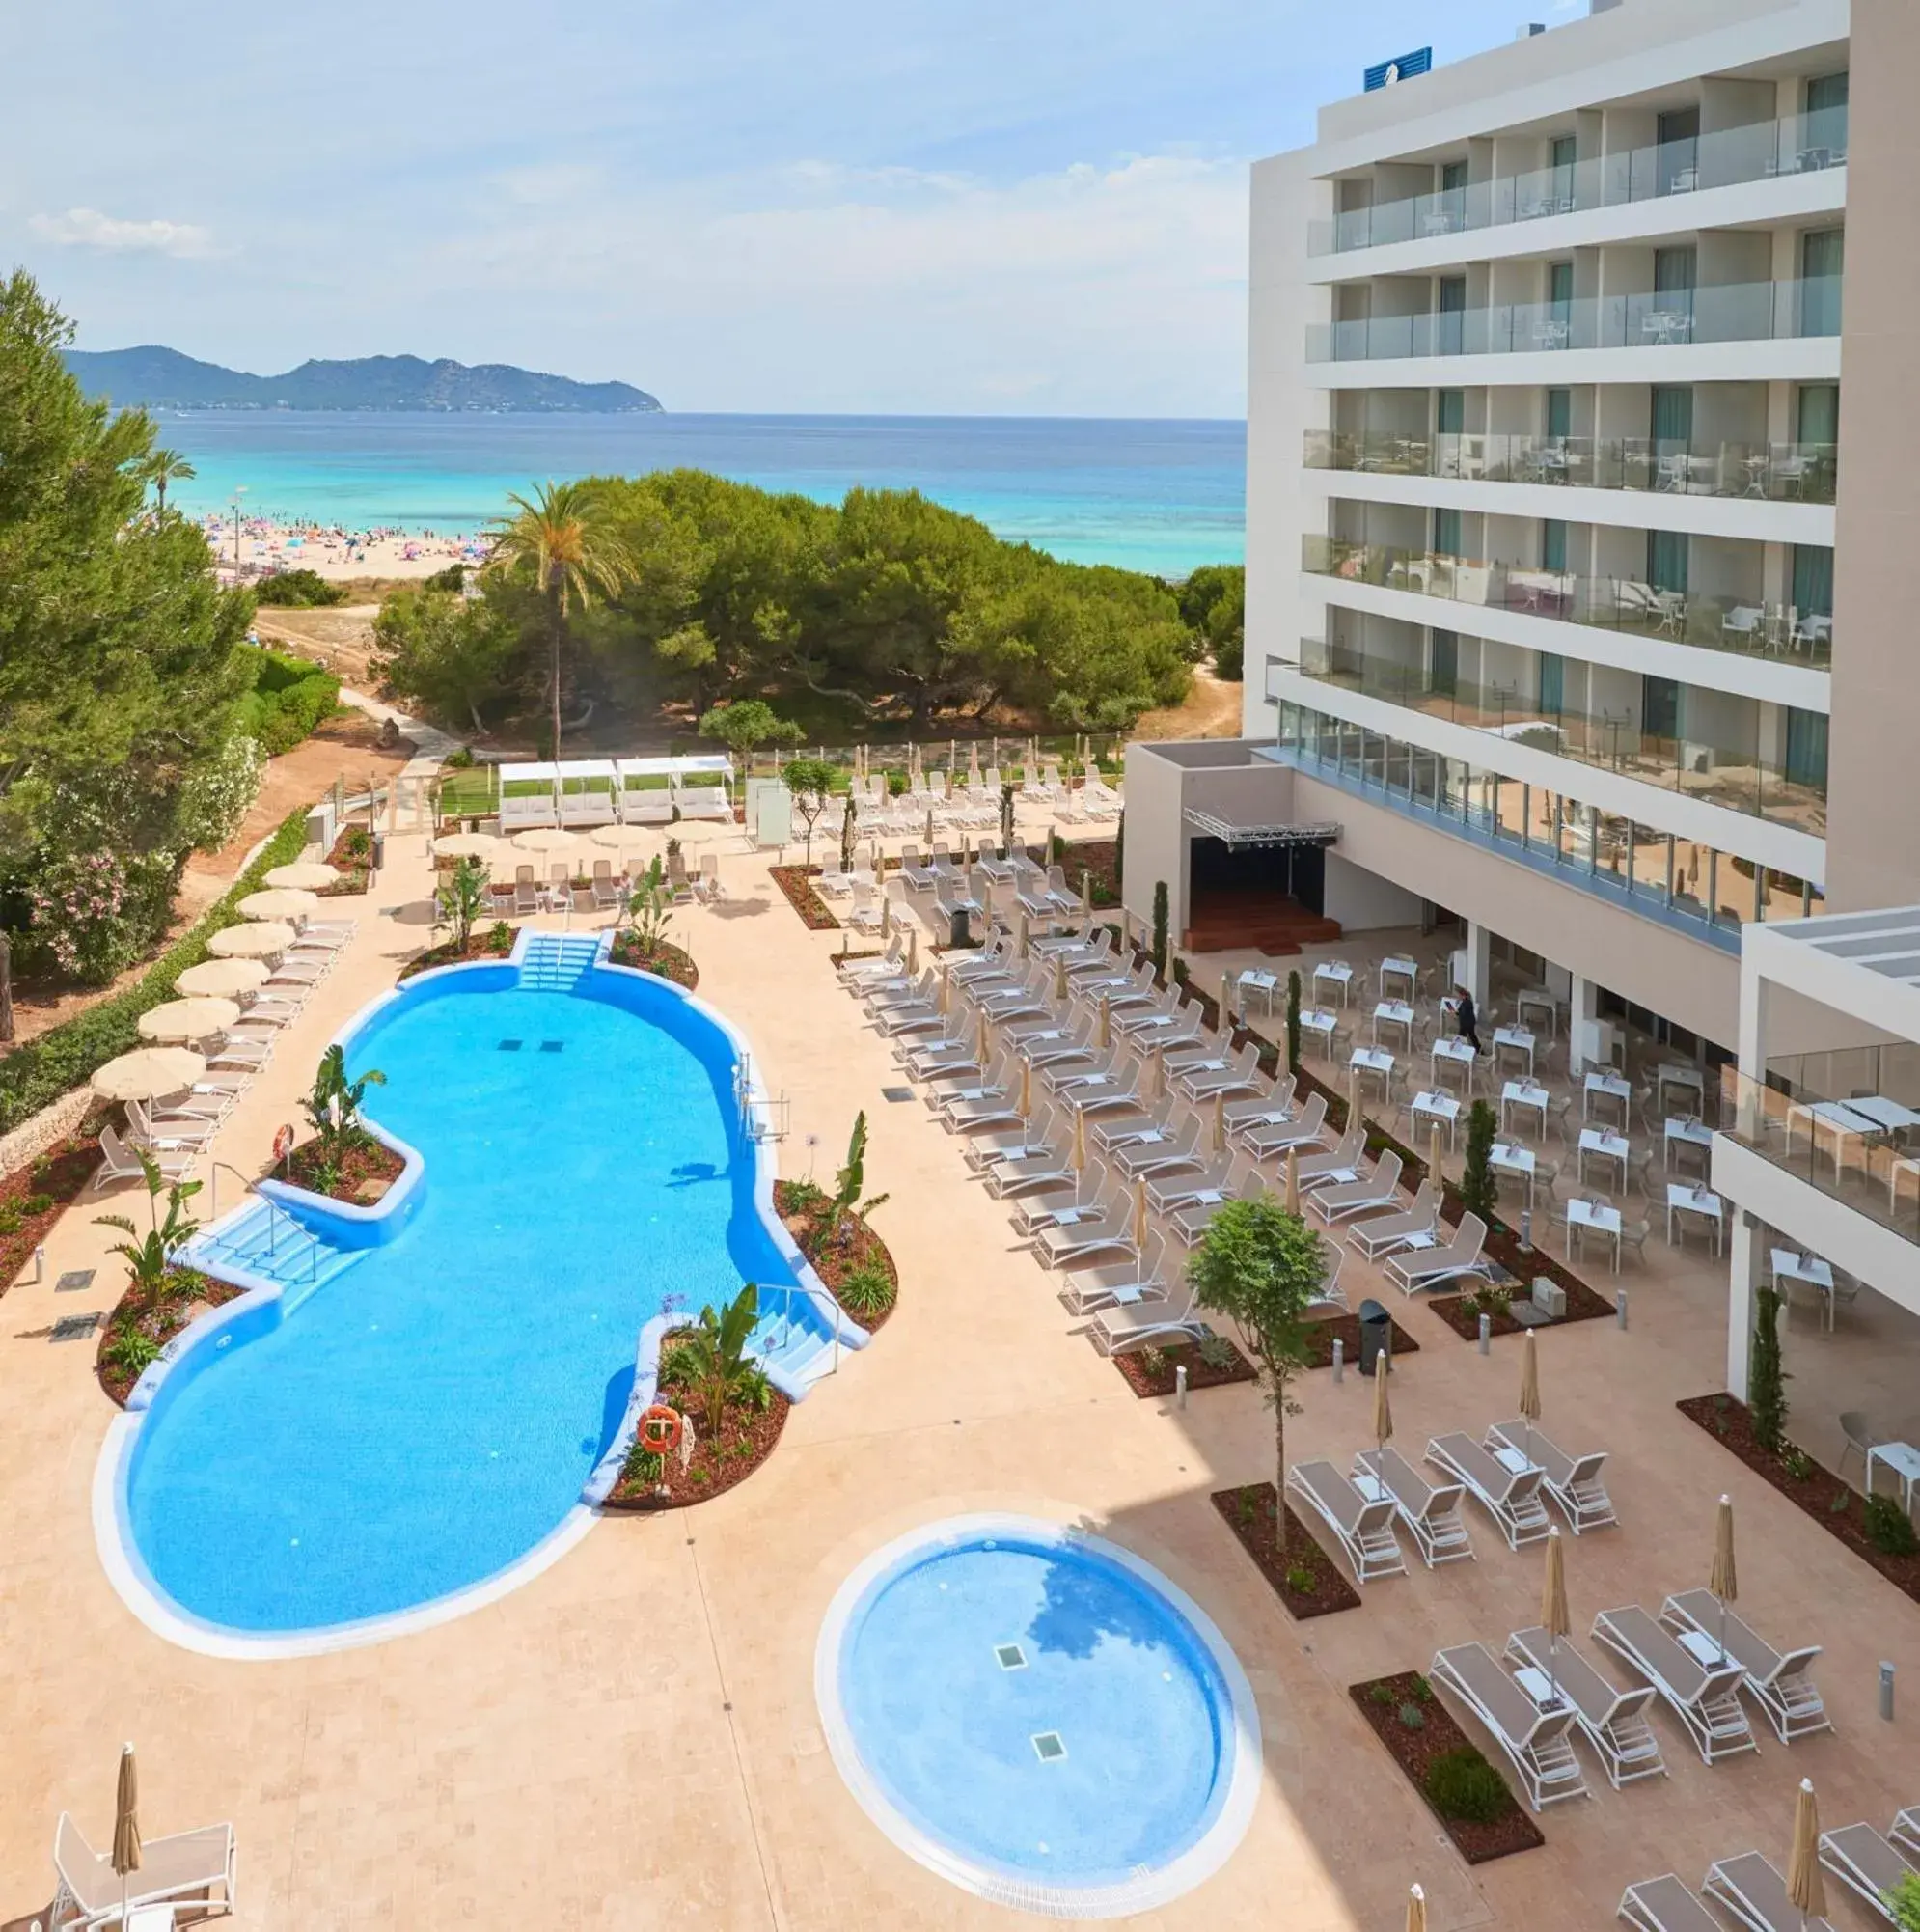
1890,1114
1606,1086
1583,1214
1682,1197
1904,1459
1604,1145
1441,1109
1394,1014
1398,966
1340,973
1687,1132
1518,1040
1841,1119
1524,1093
1790,1265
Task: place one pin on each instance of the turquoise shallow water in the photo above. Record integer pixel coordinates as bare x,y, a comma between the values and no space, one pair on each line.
1150,495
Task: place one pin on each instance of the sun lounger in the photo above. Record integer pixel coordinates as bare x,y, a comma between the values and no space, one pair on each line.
1173,1149
1271,1108
193,1868
1153,1324
1510,1497
1538,1741
1306,1130
1413,1269
1612,1720
1860,1858
1392,1232
1665,1904
1379,1189
1035,1173
119,1163
1214,1182
1140,1283
1572,1481
1754,1892
1706,1702
1431,1511
1104,1224
1362,1525
1191,1222
1155,1129
167,1132
1237,1076
1338,1167
1905,1831
1779,1681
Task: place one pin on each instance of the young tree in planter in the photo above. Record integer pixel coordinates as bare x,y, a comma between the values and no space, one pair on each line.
462,898
1160,927
1261,1268
1480,1193
810,781
747,723
850,1179
1292,1022
149,1255
715,1359
333,1105
647,913
1767,1381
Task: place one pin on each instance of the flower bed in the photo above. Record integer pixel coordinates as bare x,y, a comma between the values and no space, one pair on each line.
747,1437
1150,1372
33,1198
1415,1748
1838,1507
1462,1312
363,1172
352,857
1346,1328
797,883
142,1324
667,961
493,942
1307,1581
858,1268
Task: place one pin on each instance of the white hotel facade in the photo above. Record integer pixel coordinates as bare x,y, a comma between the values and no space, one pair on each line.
1580,588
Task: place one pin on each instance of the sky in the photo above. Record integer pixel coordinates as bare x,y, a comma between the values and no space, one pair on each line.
999,207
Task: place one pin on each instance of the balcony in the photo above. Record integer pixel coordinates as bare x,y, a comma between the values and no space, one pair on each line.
1868,1160
1608,603
1735,777
1763,472
1761,150
1727,311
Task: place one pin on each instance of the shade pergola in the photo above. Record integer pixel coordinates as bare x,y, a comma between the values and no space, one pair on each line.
279,903
180,1020
259,941
222,979
146,1073
303,875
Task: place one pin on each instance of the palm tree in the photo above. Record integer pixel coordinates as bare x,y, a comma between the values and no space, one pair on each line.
564,536
164,467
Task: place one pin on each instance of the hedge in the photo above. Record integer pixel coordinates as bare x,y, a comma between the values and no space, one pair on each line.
36,1074
290,696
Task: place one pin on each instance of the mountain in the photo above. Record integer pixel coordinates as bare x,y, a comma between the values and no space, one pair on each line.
163,378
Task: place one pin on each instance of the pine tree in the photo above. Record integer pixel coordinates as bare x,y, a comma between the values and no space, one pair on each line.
1292,1022
1159,915
1768,1379
1478,1191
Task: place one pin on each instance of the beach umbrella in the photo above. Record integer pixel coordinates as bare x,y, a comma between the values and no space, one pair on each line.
1105,1022
1807,1884
277,902
608,838
1293,1180
1156,1079
913,952
1220,1123
1226,1006
125,1859
1416,1910
303,875
1027,1090
887,916
180,1020
1139,1216
1024,936
146,1073
1382,1402
1434,1167
251,942
1354,1094
1077,1159
472,845
1553,1617
944,1000
222,979
972,764
929,825
544,839
1529,1388
1060,977
1723,1579
980,1041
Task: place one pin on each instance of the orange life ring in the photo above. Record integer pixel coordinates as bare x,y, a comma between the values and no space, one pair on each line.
282,1145
660,1429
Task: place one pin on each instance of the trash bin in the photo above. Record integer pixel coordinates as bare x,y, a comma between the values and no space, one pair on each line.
1375,1335
957,930
379,851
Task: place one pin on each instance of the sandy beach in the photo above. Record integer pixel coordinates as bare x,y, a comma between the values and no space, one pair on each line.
263,547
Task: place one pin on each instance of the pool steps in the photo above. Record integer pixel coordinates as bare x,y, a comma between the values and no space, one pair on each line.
269,1245
551,962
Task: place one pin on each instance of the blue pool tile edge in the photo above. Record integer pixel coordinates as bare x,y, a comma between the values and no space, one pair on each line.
1146,1889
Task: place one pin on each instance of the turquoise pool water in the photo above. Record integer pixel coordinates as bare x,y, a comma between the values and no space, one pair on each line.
1038,1716
429,1413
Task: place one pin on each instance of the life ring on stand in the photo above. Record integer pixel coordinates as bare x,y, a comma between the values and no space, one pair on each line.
283,1144
661,1428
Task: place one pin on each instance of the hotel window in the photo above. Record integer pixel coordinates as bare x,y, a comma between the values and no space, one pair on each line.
1813,579
1452,314
1825,138
1806,749
1676,270
1561,152
1446,533
1553,544
1818,417
1659,707
1559,415
1444,662
1553,684
1450,411
1678,164
1666,560
1822,252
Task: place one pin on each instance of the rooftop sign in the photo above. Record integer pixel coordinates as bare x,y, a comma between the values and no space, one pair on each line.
1404,69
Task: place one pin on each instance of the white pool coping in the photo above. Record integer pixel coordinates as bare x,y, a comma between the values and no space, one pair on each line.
1148,1887
113,1532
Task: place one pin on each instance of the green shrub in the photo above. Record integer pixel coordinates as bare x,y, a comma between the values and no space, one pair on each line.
453,578
1381,1694
1767,1378
36,1074
1299,1579
867,1290
290,696
643,1465
1889,1527
1411,1718
11,1220
1479,1192
1463,1786
36,1203
299,589
130,1350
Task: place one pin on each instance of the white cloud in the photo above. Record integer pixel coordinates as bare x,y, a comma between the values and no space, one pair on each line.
88,228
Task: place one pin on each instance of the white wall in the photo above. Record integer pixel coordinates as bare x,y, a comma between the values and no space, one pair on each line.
1363,901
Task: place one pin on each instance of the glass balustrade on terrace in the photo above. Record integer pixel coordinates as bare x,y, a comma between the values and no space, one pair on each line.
1754,628
1725,312
1766,472
1761,151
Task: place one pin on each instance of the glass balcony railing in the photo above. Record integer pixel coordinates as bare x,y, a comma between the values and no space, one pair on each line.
1766,472
1754,628
1733,776
1726,311
1831,1146
1761,151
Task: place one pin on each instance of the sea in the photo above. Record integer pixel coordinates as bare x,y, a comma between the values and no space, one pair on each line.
1156,494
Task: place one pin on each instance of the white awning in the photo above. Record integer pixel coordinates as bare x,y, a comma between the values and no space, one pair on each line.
697,764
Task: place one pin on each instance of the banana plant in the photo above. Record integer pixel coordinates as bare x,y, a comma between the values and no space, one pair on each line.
848,1182
333,1105
149,1255
714,1358
462,898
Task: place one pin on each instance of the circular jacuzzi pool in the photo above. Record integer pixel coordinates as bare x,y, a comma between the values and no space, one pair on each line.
1038,1716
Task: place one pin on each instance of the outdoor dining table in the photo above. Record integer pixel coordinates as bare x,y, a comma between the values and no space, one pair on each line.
1682,1197
1265,985
1455,1050
1609,1085
1440,1108
1394,1014
1840,1117
1904,1459
1517,1039
1524,1093
1509,1158
1672,1074
1790,1265
1889,1115
1584,1214
1340,973
1539,1000
1685,1131
1375,1060
1398,966
1604,1143
1320,1020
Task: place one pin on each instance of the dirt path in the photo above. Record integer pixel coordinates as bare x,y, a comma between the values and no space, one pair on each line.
339,637
1212,710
